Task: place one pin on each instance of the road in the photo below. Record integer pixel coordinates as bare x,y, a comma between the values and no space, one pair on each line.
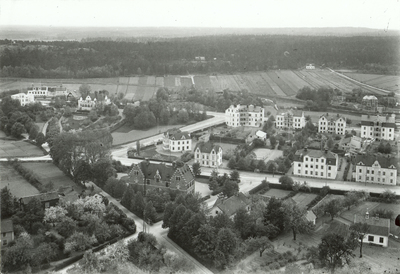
218,118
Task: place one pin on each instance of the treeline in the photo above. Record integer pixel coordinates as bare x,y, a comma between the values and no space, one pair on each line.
223,54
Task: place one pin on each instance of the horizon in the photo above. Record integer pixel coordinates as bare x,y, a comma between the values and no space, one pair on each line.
221,14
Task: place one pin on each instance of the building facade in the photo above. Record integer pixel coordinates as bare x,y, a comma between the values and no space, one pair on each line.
370,102
251,116
375,169
379,229
89,103
46,199
208,154
162,176
332,125
378,127
310,66
7,232
176,141
23,98
291,119
315,163
44,91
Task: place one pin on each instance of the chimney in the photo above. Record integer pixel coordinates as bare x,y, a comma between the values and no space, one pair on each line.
367,215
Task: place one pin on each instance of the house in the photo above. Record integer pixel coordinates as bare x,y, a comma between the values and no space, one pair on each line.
379,229
7,232
241,115
351,144
162,176
261,135
208,154
332,125
231,205
175,140
47,199
23,98
315,163
89,103
41,91
310,66
378,127
291,119
370,102
44,91
375,169
310,216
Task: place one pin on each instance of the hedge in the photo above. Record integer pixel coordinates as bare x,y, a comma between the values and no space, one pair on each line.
262,186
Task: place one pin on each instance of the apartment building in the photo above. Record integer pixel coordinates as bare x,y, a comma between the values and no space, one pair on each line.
241,115
375,169
315,163
208,154
23,98
378,127
175,140
335,124
291,119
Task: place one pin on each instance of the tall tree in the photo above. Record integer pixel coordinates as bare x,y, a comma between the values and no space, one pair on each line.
138,204
149,213
128,198
225,247
204,243
243,223
196,169
360,230
295,219
230,188
273,214
286,181
7,203
234,175
333,207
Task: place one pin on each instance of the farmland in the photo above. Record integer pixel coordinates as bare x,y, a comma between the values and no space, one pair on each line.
12,149
17,184
275,83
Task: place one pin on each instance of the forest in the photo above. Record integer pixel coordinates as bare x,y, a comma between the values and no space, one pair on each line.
222,54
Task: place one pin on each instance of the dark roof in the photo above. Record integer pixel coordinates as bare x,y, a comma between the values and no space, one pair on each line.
207,147
7,226
43,197
231,205
187,173
329,156
377,226
367,123
177,134
392,125
369,160
166,171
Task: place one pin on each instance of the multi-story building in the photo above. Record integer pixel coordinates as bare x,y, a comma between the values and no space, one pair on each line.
162,176
310,66
375,169
208,154
292,119
251,116
23,98
44,91
315,163
378,127
332,124
175,140
89,103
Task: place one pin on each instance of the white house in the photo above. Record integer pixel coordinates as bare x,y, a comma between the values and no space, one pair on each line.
239,115
175,140
261,135
310,66
332,125
379,229
292,119
378,127
375,169
23,98
89,103
231,205
44,91
315,163
208,154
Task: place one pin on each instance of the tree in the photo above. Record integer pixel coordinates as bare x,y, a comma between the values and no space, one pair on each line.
43,254
234,175
79,242
273,214
360,230
232,163
334,250
90,262
225,247
204,242
230,188
54,214
183,116
261,243
286,181
128,198
330,143
149,213
272,141
137,206
82,172
196,169
295,219
85,90
169,210
145,119
40,139
18,255
221,220
333,207
7,203
388,196
33,132
102,170
243,223
17,129
138,147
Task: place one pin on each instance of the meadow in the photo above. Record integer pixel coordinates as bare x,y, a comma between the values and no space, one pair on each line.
12,149
17,184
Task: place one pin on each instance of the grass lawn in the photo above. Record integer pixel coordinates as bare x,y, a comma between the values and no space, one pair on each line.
10,148
154,154
277,193
17,184
47,172
267,154
303,199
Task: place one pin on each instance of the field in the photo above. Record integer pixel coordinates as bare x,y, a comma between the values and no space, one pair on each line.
281,83
17,184
267,154
278,193
388,82
48,172
303,199
9,148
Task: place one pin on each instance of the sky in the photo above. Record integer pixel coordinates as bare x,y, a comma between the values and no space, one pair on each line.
377,14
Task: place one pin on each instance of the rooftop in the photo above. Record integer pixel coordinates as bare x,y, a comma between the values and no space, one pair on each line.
313,153
369,160
43,197
7,226
177,134
377,226
232,204
207,147
165,171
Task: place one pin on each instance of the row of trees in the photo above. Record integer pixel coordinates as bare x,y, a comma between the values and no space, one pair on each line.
67,59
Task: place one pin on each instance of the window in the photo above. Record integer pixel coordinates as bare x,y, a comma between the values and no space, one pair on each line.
299,165
157,179
329,175
167,184
4,234
367,178
381,240
305,172
329,168
372,172
216,212
310,172
316,160
298,171
384,173
305,158
148,181
311,166
136,172
306,165
4,242
391,173
177,178
322,160
372,178
391,181
322,174
383,180
370,238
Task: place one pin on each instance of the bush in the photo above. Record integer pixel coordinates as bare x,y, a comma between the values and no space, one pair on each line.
274,265
129,224
264,186
382,213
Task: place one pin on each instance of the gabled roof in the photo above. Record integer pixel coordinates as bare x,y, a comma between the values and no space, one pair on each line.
231,205
7,226
166,172
261,134
310,216
207,147
369,160
369,97
43,197
177,134
313,153
367,123
392,125
332,117
377,226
